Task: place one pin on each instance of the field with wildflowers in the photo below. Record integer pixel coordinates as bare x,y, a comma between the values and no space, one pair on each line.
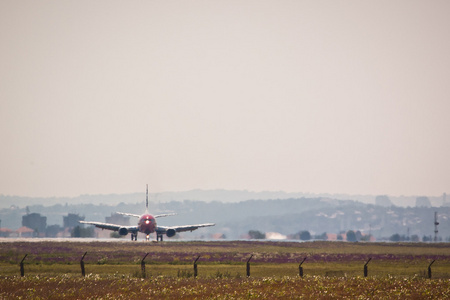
163,287
331,270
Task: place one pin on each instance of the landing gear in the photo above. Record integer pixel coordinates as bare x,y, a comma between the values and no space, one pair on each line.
159,237
147,237
134,236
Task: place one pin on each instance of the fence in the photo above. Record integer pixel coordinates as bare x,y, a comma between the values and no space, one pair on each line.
248,267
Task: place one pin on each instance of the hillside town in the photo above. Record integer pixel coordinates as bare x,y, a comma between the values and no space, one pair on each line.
280,219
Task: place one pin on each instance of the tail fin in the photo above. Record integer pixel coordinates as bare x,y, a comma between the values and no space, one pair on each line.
146,200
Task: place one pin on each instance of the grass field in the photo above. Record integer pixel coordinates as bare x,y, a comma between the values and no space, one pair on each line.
331,270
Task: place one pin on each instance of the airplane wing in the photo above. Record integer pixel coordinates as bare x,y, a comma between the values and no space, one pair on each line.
113,227
163,229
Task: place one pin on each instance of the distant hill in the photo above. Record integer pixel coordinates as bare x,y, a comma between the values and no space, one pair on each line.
225,196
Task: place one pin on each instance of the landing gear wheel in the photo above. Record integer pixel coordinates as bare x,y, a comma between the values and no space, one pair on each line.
159,237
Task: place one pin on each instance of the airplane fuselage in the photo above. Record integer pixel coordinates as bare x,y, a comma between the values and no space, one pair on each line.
147,224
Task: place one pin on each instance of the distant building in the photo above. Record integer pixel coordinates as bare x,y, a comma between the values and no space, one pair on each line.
275,236
35,221
423,202
118,219
383,200
218,236
5,232
336,237
72,220
25,232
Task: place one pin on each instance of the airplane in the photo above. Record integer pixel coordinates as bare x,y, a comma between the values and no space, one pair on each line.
147,224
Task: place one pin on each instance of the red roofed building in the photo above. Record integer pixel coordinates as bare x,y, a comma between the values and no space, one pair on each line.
25,232
5,232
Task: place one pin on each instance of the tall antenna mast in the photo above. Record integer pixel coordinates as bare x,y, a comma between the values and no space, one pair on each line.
436,223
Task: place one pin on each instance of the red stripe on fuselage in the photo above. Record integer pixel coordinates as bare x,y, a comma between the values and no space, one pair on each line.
147,224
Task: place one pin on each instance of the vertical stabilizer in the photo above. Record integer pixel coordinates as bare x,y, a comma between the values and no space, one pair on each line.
146,200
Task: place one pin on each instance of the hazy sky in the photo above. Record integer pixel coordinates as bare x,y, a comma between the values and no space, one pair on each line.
100,97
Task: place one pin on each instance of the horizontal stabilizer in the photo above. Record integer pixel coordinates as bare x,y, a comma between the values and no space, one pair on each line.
128,214
163,215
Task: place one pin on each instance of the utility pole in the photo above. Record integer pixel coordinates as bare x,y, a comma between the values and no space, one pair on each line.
436,223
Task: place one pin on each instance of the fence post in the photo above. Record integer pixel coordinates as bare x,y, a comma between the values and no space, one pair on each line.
248,266
195,267
300,268
365,267
83,273
429,269
143,266
22,269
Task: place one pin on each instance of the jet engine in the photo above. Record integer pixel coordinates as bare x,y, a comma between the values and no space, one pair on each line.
123,231
170,232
